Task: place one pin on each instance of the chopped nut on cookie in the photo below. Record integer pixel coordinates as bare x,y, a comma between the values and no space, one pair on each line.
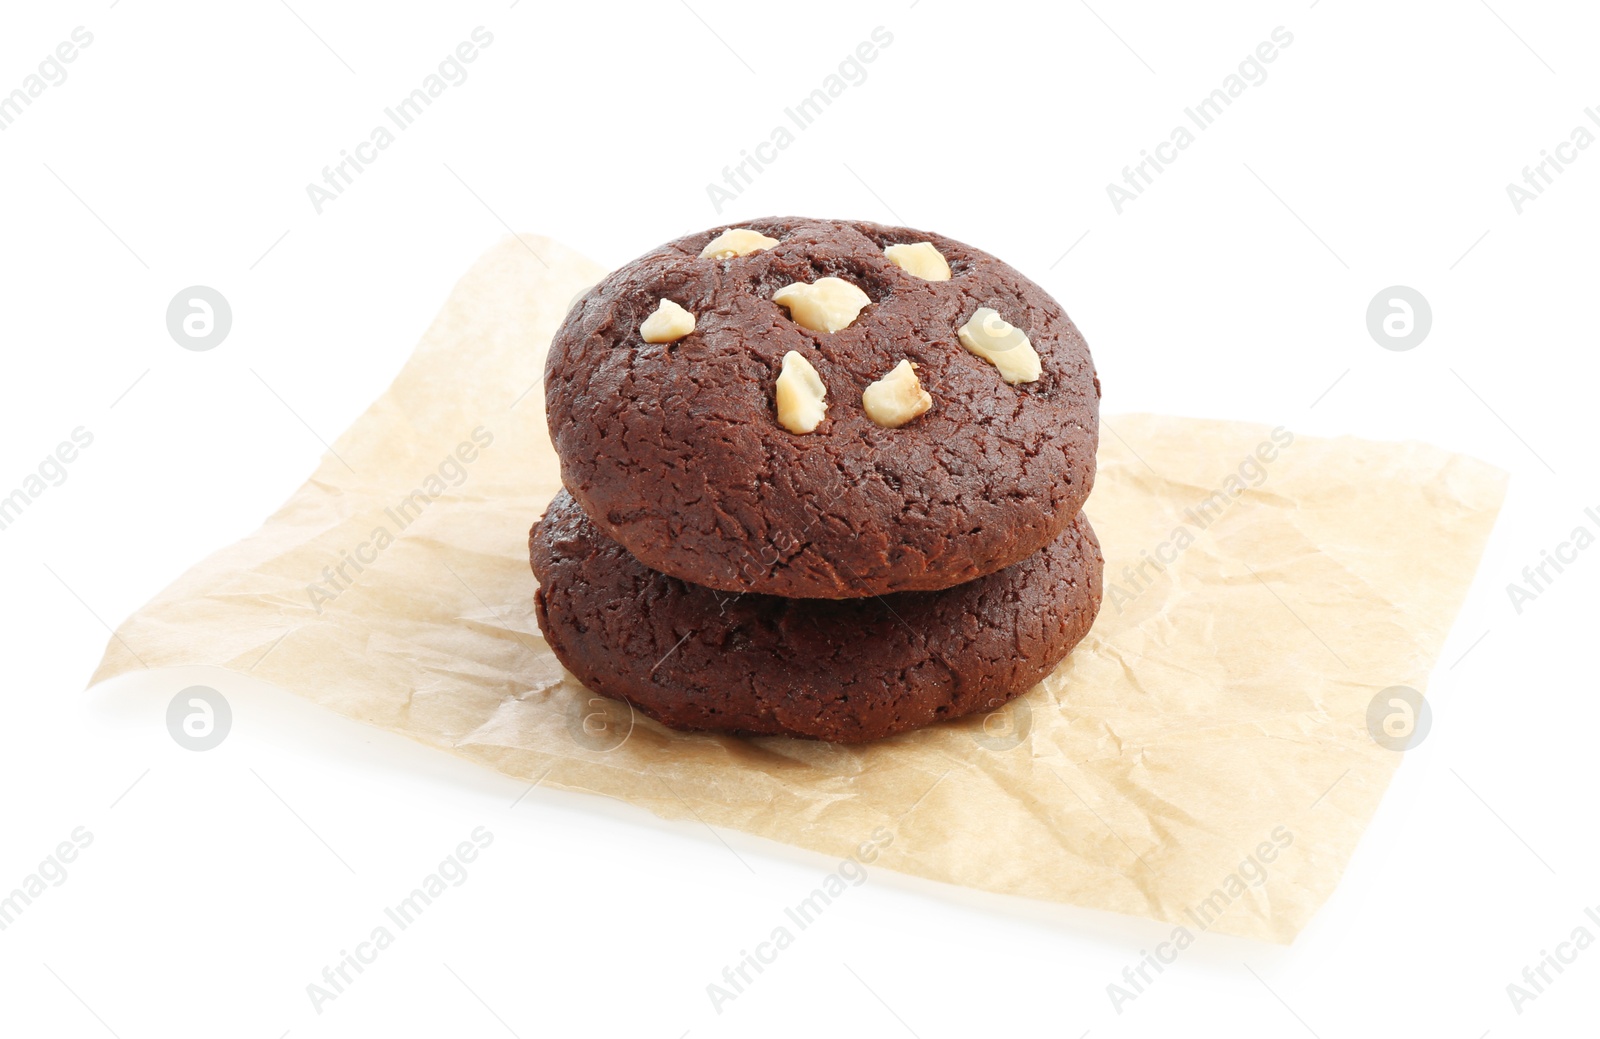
800,392
736,241
826,305
897,398
921,260
1002,344
668,324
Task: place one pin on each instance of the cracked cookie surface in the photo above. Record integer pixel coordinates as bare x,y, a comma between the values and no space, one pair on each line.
674,449
839,670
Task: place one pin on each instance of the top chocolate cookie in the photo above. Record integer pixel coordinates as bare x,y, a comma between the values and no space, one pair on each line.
823,409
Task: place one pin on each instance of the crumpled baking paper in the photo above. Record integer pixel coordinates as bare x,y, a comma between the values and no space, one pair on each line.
1204,756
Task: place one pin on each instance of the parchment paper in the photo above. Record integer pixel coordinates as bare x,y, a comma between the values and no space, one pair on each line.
1203,757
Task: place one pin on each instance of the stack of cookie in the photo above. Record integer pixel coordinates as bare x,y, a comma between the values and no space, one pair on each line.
822,479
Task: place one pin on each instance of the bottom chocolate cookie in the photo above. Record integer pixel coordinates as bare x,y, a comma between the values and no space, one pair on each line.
843,670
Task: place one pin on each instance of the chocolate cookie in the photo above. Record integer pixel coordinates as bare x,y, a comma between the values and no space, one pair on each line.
846,671
699,442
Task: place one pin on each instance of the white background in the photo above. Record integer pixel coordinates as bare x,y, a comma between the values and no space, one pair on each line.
218,885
